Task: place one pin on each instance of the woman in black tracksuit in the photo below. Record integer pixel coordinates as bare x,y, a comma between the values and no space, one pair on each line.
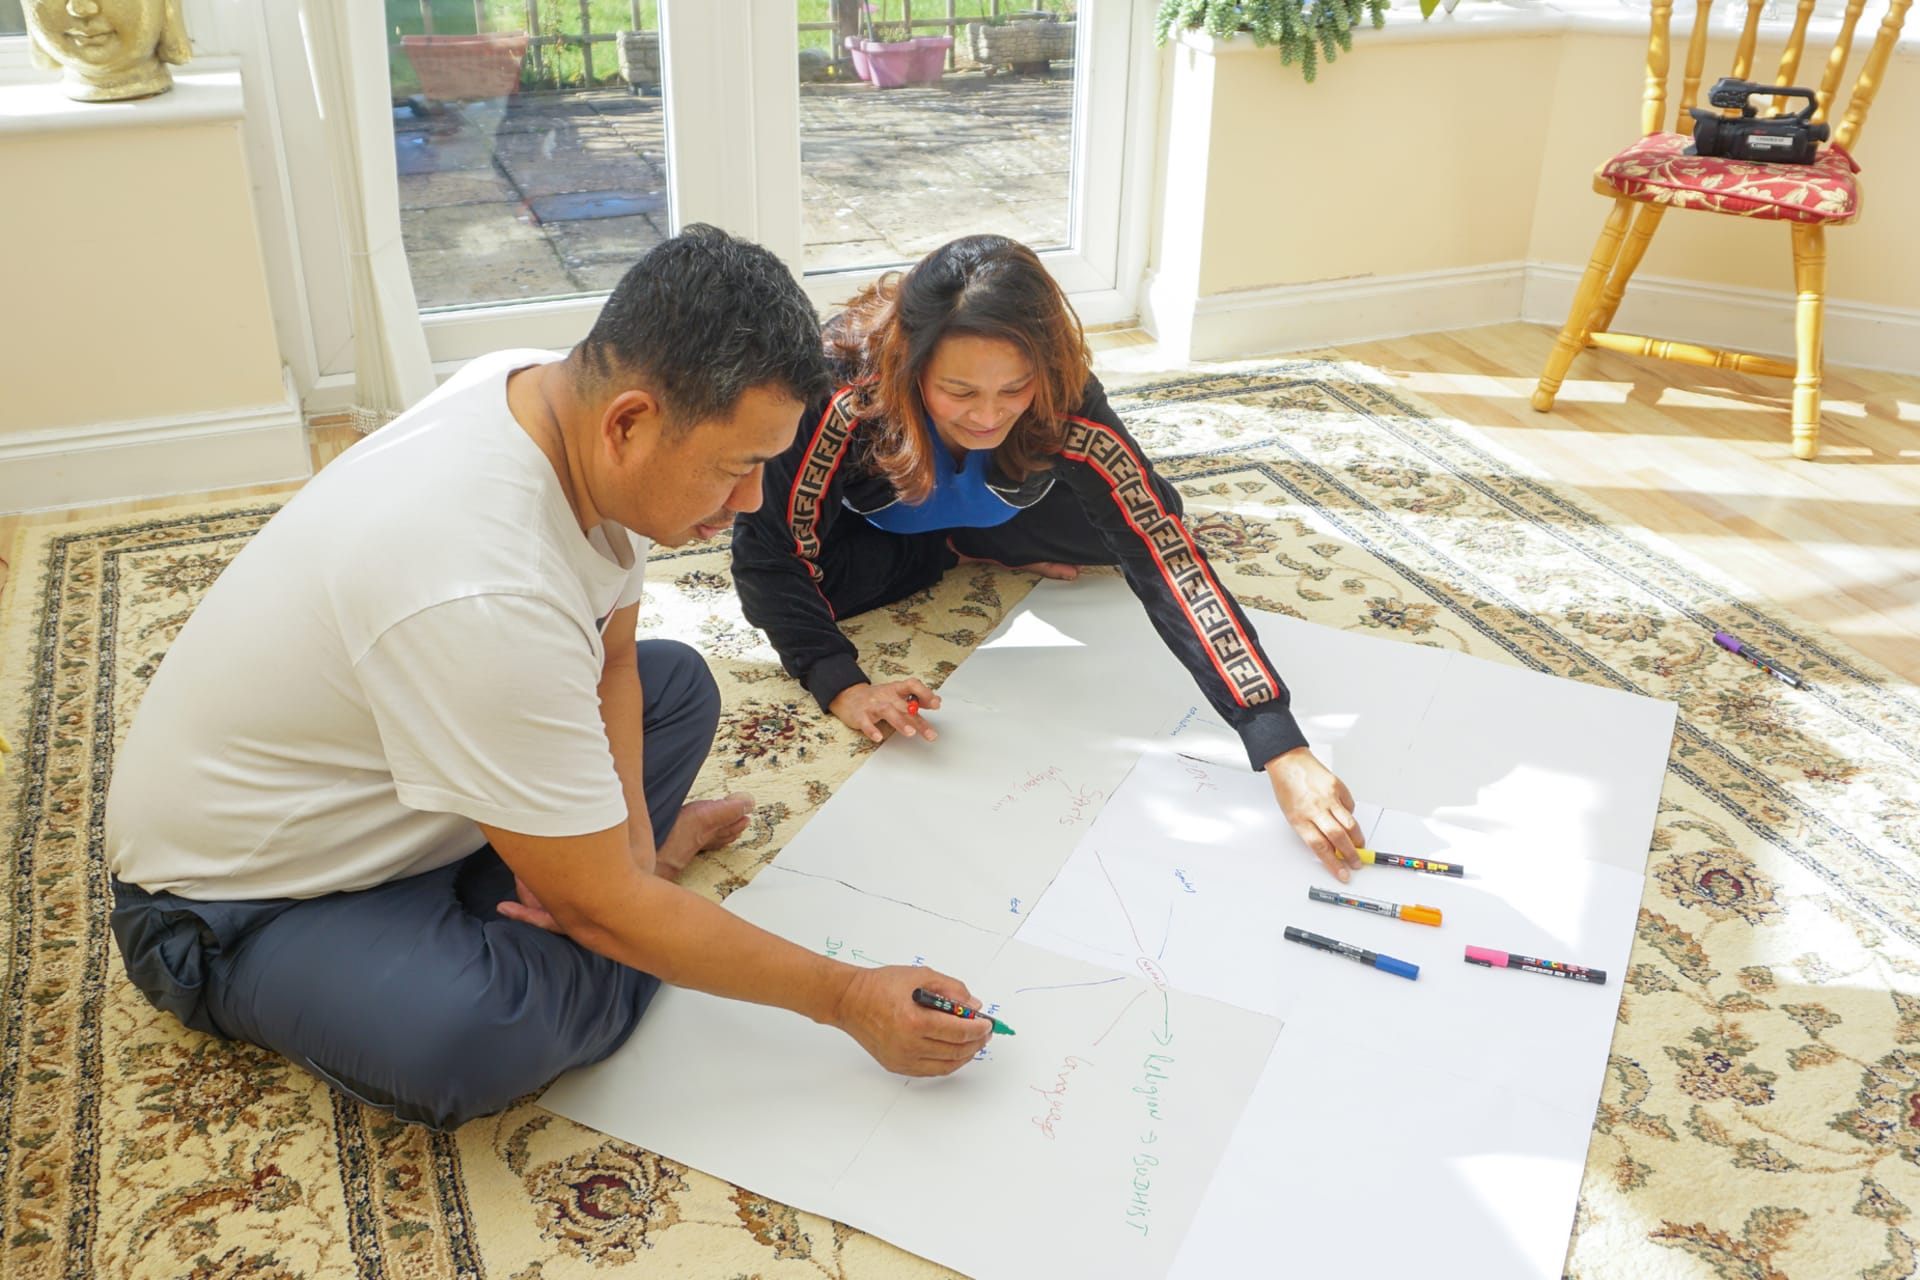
966,424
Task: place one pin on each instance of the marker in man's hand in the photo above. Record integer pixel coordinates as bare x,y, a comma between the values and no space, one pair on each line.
927,1000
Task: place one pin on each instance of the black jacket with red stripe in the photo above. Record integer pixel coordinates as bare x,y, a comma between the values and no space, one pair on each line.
823,479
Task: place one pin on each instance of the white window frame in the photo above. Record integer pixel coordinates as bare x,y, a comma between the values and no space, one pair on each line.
733,159
733,155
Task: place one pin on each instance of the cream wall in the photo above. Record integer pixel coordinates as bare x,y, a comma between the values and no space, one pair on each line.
1399,158
1440,176
137,342
136,285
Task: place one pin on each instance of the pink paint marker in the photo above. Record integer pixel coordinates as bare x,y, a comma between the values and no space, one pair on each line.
1492,959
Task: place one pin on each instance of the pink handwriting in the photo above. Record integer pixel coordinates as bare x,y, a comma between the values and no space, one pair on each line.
1056,1096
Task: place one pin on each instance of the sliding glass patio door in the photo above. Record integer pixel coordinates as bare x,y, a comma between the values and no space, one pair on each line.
543,145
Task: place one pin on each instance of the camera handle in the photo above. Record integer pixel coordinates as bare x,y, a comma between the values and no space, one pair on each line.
1730,94
1788,91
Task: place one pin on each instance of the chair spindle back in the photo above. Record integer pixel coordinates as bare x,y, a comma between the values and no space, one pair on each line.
1866,84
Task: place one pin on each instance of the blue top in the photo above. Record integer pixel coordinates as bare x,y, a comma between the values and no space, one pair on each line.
960,498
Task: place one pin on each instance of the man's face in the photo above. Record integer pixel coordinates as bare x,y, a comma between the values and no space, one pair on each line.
99,34
688,484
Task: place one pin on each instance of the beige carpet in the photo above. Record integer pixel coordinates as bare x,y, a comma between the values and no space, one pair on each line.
1762,1112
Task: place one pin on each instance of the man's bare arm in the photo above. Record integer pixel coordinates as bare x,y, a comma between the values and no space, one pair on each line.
600,898
621,705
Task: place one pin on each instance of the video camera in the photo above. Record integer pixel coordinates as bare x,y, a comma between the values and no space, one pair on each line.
1781,139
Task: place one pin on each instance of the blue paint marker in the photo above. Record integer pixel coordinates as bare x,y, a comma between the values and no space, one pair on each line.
1386,964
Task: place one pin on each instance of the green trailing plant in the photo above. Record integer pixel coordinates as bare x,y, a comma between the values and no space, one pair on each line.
1305,31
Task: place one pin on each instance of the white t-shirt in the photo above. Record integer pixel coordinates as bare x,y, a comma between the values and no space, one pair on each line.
410,646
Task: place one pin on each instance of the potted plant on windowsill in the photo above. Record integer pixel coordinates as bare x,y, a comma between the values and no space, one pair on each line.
1305,30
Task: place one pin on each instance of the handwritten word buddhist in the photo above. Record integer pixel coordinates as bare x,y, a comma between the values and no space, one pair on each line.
1139,1208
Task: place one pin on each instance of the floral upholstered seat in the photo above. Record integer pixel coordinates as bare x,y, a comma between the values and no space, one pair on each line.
1656,168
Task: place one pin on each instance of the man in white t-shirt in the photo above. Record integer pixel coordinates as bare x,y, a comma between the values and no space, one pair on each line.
406,799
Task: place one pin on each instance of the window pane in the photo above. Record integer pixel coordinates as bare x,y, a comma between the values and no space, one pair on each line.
904,148
530,139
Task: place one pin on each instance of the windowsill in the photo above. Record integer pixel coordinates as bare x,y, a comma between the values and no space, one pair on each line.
205,90
1512,19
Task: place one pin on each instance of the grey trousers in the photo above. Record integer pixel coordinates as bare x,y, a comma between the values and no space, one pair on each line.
416,996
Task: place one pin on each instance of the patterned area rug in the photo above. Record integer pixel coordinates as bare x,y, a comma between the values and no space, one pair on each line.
1762,1112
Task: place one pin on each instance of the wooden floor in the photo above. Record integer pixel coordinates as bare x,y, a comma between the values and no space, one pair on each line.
1697,456
1702,458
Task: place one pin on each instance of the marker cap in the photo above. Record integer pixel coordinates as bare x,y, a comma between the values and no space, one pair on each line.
1487,955
1399,967
1726,642
1366,856
1421,915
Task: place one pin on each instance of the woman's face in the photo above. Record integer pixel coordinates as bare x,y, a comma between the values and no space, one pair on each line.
975,389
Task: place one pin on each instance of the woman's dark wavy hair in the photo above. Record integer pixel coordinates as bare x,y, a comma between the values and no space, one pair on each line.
985,286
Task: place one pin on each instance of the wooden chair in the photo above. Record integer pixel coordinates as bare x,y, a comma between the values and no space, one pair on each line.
1652,175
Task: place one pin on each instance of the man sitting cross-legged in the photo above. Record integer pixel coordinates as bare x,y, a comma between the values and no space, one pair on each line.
405,800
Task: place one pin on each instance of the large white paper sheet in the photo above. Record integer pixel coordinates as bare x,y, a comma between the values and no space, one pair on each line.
971,826
1464,1099
1513,754
1079,1145
715,1082
1197,885
1471,1082
1376,1161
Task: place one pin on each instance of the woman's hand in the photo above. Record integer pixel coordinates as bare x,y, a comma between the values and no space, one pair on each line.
865,708
1319,807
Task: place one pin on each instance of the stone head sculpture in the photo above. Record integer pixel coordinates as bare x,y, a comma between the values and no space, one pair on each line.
108,49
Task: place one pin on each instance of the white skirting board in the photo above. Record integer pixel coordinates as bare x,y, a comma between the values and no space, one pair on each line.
1251,322
1857,335
154,457
1329,313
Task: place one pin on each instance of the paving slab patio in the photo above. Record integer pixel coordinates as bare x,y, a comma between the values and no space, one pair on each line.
885,176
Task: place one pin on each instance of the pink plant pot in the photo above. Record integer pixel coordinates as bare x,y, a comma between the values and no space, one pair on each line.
905,62
893,65
467,68
857,50
932,62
